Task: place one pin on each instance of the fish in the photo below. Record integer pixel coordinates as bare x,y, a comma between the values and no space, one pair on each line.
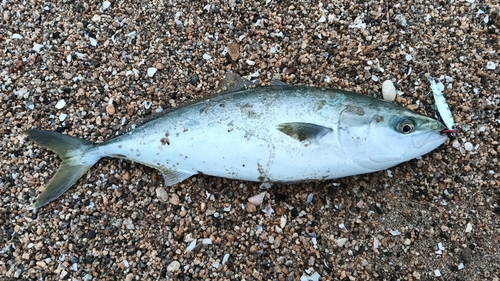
276,133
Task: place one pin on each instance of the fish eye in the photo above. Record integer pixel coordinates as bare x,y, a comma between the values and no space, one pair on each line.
406,126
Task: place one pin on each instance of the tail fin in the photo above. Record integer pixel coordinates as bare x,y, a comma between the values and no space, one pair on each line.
76,161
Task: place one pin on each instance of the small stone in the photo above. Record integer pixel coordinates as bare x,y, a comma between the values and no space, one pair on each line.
161,194
468,228
37,47
67,75
388,90
407,241
416,274
466,254
469,147
341,242
174,199
60,104
96,18
105,5
129,277
110,109
233,50
128,224
152,71
251,208
491,65
173,266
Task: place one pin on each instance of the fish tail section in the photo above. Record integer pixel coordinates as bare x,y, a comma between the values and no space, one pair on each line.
77,157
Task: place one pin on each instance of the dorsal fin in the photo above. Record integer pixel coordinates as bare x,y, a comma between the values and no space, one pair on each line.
232,83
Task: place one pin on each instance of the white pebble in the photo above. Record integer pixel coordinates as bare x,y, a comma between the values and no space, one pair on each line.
395,233
375,78
60,104
17,36
96,18
409,57
173,266
207,241
322,19
388,90
152,71
341,242
314,277
468,228
437,272
225,258
62,116
283,221
93,42
37,47
250,62
491,65
207,56
106,5
257,199
191,245
468,146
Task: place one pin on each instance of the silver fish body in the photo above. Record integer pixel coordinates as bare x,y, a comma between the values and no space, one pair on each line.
265,134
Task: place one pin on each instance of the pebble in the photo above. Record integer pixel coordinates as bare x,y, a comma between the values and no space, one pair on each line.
173,266
491,65
96,18
257,199
341,242
60,104
233,50
466,254
105,5
174,199
152,71
110,109
162,194
128,224
388,90
468,228
468,146
37,47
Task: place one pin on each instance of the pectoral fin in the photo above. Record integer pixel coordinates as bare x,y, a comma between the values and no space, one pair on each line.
304,131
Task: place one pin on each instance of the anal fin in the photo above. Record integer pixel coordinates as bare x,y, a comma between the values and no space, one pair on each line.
172,177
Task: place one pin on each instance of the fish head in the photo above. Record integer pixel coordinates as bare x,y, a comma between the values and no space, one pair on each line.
380,136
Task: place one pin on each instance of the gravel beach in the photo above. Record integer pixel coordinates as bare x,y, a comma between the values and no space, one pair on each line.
92,68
